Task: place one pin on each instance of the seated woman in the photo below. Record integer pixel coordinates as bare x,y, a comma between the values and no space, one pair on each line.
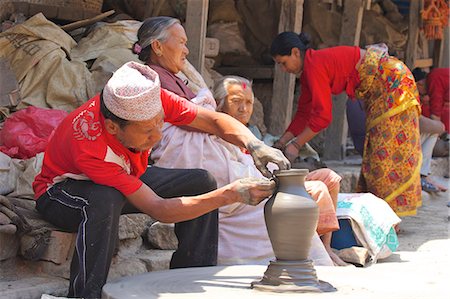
234,96
243,236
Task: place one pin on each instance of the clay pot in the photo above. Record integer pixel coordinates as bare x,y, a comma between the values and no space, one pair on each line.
291,216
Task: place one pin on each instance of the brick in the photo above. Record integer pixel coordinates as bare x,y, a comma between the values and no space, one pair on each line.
9,245
211,47
60,247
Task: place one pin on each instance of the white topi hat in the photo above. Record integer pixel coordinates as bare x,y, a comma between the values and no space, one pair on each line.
133,92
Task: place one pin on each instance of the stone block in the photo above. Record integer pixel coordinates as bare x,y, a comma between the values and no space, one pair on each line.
9,245
55,270
212,46
133,225
155,259
126,267
162,236
60,247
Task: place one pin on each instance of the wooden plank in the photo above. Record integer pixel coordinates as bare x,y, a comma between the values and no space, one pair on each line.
413,32
351,22
445,59
251,72
337,132
87,22
196,21
423,63
291,17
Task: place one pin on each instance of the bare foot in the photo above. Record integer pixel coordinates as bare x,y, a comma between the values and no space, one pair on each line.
337,261
437,185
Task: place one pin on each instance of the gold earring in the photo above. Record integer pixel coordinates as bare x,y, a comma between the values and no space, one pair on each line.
158,53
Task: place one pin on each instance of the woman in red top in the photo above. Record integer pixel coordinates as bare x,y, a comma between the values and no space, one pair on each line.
392,153
436,86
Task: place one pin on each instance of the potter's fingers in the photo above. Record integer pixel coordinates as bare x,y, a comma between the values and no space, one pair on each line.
252,191
259,183
263,169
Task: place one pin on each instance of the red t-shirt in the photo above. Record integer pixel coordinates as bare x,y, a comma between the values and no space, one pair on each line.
82,149
438,92
325,72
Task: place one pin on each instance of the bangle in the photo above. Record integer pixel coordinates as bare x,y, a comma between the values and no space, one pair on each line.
297,146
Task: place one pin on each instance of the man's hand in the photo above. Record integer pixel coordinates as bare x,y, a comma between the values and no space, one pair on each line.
252,191
263,154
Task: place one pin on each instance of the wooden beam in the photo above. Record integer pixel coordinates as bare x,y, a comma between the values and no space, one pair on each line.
251,72
438,51
196,21
291,17
87,22
413,32
351,22
336,134
423,63
445,59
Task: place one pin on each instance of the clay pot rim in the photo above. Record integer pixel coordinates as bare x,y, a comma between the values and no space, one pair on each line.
292,171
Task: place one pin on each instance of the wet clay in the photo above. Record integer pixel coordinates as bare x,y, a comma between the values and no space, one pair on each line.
291,218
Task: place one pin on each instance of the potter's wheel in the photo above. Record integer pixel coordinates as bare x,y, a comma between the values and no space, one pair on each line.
201,282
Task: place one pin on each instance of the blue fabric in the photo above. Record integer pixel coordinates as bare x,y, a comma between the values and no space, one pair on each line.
356,118
344,237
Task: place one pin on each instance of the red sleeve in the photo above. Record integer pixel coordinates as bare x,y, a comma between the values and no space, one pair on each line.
321,108
436,92
301,118
178,111
314,105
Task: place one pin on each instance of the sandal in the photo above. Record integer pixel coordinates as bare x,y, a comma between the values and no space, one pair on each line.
428,187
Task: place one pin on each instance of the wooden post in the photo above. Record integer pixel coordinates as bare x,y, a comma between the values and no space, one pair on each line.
413,32
438,51
291,17
446,41
196,21
336,133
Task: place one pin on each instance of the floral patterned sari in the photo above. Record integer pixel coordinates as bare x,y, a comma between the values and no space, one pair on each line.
392,151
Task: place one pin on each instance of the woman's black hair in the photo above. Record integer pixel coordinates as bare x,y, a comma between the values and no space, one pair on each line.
109,115
418,74
284,43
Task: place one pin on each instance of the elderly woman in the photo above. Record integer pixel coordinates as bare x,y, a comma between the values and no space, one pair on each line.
242,233
234,96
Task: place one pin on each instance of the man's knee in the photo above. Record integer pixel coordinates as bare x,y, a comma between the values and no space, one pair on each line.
107,200
203,181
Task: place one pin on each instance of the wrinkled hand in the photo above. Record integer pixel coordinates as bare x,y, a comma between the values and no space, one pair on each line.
263,154
252,190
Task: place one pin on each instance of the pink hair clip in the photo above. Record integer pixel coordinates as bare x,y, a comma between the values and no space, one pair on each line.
137,48
244,86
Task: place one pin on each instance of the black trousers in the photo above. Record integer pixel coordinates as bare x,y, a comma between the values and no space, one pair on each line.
93,212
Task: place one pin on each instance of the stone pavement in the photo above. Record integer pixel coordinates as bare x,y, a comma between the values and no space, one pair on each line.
419,269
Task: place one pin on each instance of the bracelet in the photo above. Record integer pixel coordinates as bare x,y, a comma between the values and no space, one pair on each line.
294,143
